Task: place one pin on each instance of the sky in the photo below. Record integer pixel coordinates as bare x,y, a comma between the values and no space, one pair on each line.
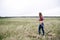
29,7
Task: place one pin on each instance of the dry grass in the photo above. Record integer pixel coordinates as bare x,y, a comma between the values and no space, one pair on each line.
27,29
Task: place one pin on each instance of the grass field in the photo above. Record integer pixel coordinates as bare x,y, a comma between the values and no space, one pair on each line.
27,29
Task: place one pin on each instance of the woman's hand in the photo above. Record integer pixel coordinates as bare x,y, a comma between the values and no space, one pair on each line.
39,19
41,22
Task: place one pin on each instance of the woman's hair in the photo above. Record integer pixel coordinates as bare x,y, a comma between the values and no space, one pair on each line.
40,14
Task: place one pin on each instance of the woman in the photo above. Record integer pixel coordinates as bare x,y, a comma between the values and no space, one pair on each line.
41,25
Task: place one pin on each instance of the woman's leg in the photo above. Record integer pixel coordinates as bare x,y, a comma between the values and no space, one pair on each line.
43,28
39,29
